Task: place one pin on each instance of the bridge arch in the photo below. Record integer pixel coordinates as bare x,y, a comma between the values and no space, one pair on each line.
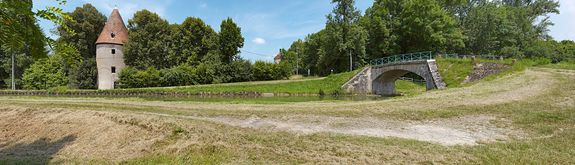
384,83
380,79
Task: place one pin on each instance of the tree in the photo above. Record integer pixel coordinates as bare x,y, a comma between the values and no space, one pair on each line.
23,62
71,60
149,37
55,71
293,57
19,31
192,41
44,74
87,75
343,38
230,39
86,22
508,27
425,26
380,41
312,45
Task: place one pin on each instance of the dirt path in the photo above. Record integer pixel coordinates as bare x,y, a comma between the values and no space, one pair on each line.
469,130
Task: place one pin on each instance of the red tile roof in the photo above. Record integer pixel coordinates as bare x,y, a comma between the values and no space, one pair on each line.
114,32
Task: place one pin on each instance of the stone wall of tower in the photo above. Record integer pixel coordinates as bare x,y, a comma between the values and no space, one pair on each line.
109,56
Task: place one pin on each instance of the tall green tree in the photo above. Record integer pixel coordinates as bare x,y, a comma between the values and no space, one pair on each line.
87,74
20,33
344,38
149,37
60,69
312,49
426,26
293,57
508,28
230,40
87,23
192,40
381,42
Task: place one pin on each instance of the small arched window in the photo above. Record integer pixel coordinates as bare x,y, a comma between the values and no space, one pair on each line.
113,69
113,51
113,35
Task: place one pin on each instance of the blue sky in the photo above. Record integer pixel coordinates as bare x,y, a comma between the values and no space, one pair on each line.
267,25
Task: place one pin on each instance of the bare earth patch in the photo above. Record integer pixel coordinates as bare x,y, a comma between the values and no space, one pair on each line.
468,130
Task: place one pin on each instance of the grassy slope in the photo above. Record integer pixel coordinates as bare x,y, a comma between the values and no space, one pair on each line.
454,71
330,84
562,65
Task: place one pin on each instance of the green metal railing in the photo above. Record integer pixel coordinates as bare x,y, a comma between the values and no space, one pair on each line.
453,55
483,56
402,58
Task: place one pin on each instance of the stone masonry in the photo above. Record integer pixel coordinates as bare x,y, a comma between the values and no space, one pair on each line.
381,80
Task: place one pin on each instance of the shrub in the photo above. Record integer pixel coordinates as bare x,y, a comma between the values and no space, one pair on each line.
240,71
206,72
132,78
263,70
87,74
44,74
178,76
127,78
269,71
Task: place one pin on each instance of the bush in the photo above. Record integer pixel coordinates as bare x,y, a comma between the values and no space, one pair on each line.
206,73
240,71
44,74
181,75
132,78
263,70
87,74
269,71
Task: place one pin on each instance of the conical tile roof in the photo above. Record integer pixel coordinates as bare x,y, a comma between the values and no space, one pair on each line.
114,32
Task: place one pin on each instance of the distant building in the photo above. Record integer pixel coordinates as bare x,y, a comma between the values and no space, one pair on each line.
110,51
278,58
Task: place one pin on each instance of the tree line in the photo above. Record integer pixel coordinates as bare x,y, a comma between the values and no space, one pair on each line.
508,28
162,54
158,53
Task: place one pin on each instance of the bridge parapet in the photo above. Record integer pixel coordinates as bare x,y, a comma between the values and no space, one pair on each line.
401,58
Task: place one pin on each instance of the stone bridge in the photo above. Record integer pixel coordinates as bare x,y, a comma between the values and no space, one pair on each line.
380,79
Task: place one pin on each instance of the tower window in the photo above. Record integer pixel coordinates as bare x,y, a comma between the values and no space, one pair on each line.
113,35
113,51
113,69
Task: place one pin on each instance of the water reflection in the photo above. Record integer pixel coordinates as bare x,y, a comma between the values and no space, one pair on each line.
260,99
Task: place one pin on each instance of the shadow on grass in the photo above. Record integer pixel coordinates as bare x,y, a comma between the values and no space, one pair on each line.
40,151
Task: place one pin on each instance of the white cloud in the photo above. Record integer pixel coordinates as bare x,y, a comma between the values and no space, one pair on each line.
203,5
259,41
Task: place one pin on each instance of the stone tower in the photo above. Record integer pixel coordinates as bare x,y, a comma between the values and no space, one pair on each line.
110,51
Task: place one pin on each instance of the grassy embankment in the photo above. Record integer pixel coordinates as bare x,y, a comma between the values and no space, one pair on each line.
454,71
330,84
561,65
